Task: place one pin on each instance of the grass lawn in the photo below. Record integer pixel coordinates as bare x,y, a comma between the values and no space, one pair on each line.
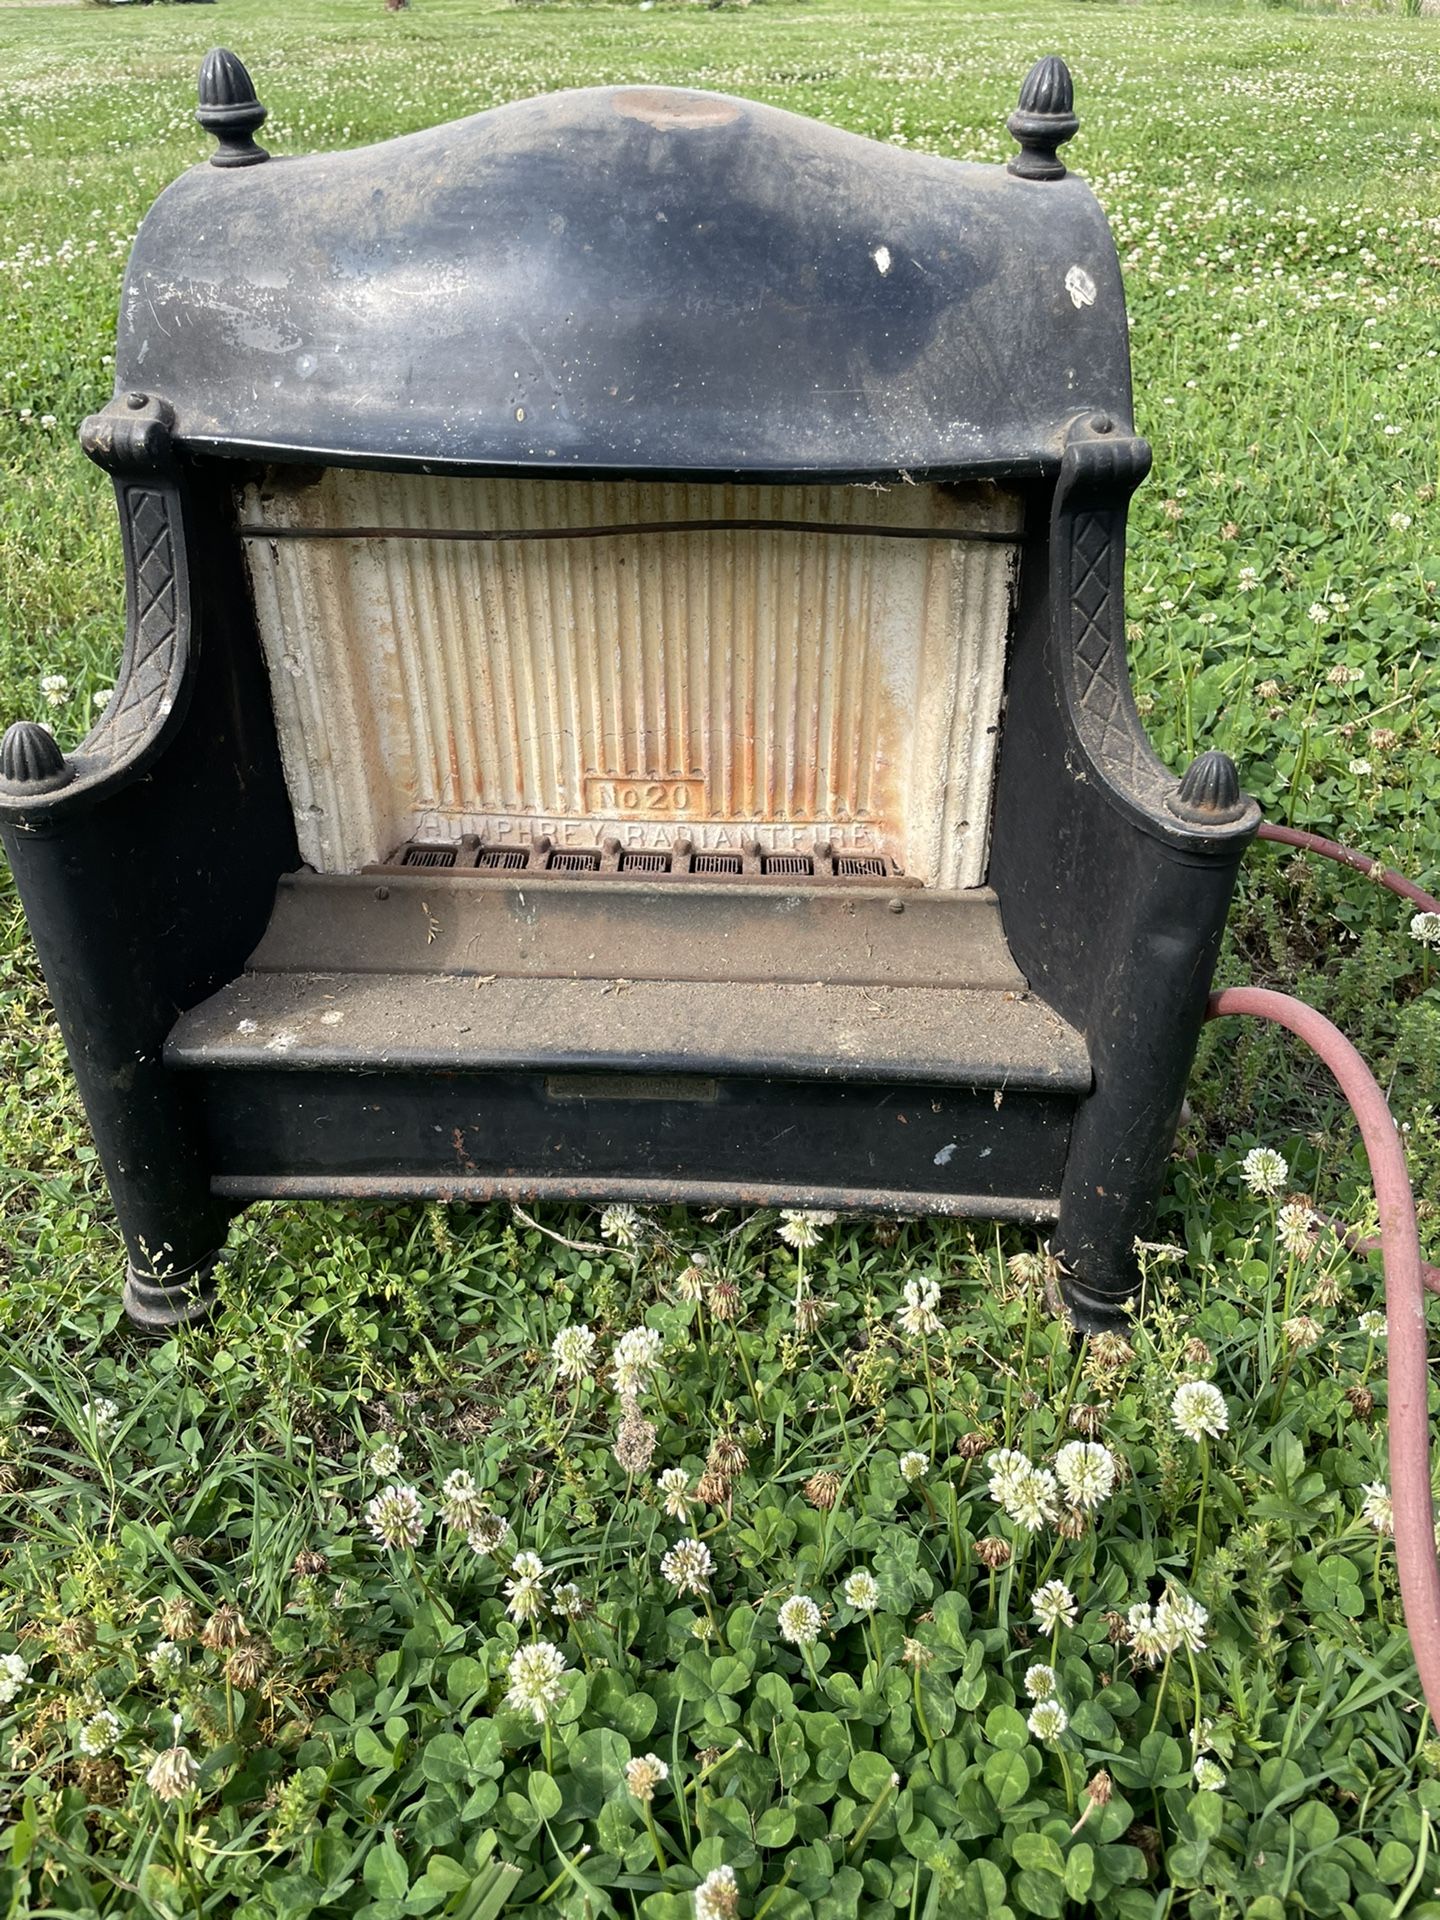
860,1690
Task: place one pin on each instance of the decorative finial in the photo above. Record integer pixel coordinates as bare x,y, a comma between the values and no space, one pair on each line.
1044,120
29,758
1209,793
229,109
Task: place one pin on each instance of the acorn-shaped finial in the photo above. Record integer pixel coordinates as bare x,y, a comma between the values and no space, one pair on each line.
30,759
1044,120
1209,793
229,109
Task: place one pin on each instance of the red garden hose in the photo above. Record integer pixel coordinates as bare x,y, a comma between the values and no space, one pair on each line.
1406,1274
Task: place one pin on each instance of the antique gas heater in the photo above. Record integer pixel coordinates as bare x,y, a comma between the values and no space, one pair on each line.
625,691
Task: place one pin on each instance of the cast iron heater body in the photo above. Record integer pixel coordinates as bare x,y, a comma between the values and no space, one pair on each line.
625,691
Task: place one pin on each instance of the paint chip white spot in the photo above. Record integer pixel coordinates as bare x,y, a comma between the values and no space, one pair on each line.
246,1026
881,257
943,1158
1080,287
332,1018
281,1042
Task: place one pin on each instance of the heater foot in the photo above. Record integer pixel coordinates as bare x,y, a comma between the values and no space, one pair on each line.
178,1300
1094,1310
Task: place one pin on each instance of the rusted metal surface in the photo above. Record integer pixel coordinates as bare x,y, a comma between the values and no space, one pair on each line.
782,679
577,926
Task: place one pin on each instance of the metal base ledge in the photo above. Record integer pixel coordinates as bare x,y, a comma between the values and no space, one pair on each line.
179,1300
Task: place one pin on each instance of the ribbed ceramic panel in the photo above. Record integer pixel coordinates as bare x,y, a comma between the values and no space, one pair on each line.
836,678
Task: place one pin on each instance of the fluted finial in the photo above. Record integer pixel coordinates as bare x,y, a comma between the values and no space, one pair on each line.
1044,120
1209,792
31,760
229,109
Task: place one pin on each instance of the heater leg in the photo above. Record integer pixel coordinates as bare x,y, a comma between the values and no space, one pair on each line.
157,1302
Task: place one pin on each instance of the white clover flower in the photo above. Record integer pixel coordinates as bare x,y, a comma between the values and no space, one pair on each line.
55,687
384,1460
1198,1410
800,1226
103,1415
488,1534
1208,1777
1373,1324
396,1517
462,1505
644,1774
861,1591
1180,1621
1007,1469
690,1282
568,1601
1295,1226
1249,580
1053,1606
621,1224
918,1316
1264,1172
165,1659
536,1672
913,1466
173,1773
14,1672
99,1734
1147,1642
1319,612
1048,1720
1400,522
1034,1503
525,1589
1360,768
101,700
718,1896
636,1356
573,1351
1425,927
1378,1510
688,1566
1040,1681
799,1621
674,1485
1086,1470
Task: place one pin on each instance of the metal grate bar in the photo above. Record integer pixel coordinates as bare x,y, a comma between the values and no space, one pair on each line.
428,857
573,860
717,863
858,866
504,859
644,862
787,863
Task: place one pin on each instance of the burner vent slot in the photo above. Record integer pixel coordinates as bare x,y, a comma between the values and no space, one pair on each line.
504,859
573,860
717,863
796,863
860,866
428,857
645,861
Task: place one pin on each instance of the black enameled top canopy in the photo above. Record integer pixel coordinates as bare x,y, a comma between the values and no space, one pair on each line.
637,279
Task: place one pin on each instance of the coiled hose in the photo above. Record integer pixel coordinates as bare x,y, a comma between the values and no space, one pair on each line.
1406,1274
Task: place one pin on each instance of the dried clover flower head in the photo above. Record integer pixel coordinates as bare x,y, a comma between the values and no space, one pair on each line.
822,1490
174,1772
1302,1332
247,1664
1073,1524
635,1440
103,1781
309,1565
224,1629
488,1534
993,1553
724,1300
396,1517
1099,1788
1362,1401
727,1456
800,1621
718,1895
1089,1420
861,1591
688,1566
1197,1354
1111,1351
1198,1410
179,1619
1117,1628
644,1774
810,1310
915,1653
536,1673
970,1446
714,1489
74,1636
